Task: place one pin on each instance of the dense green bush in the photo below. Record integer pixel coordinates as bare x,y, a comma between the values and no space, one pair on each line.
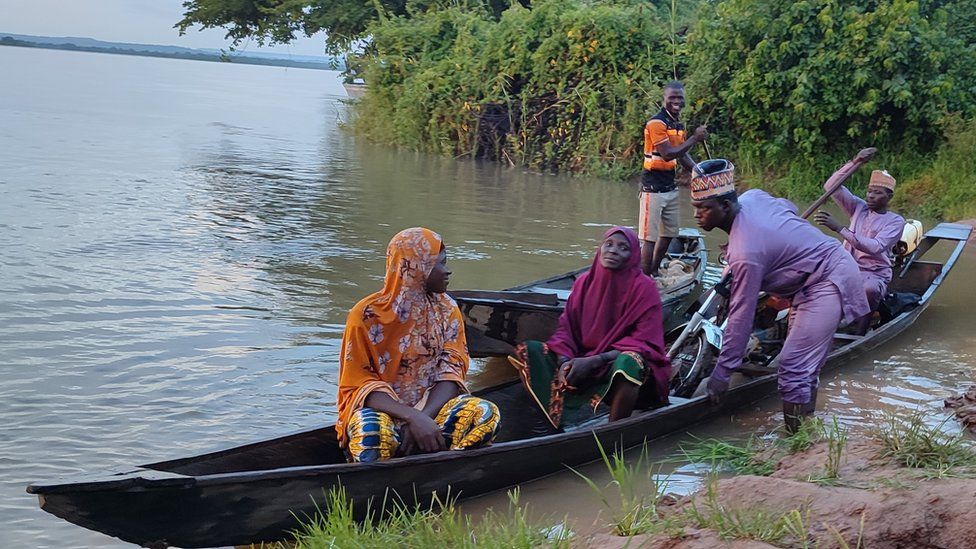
790,89
946,188
566,85
816,76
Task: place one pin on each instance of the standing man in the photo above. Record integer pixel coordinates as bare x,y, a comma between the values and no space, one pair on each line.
772,249
871,235
664,146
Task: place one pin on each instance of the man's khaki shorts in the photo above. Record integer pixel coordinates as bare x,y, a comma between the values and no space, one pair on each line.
658,215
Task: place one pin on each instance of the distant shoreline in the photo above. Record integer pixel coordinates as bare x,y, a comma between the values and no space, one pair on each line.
196,56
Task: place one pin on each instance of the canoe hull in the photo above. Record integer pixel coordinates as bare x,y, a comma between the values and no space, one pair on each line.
217,512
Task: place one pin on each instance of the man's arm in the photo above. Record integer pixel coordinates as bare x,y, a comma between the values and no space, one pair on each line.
842,196
746,284
672,152
886,238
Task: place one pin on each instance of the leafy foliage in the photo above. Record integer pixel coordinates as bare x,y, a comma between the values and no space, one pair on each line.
279,21
789,88
814,76
566,85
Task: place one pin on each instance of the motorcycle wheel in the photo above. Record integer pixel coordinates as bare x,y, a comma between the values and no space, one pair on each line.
693,363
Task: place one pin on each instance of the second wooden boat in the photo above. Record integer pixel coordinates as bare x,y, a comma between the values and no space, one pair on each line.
496,320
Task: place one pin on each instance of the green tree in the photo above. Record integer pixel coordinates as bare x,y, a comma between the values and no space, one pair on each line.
815,76
566,85
280,21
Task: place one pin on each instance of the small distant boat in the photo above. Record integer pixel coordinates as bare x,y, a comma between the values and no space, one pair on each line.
355,89
253,493
496,320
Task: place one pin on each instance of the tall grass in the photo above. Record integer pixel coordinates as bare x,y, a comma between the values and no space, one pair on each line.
440,525
912,442
739,459
835,436
634,495
946,187
733,523
836,441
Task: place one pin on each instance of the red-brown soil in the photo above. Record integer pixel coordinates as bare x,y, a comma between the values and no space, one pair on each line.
900,509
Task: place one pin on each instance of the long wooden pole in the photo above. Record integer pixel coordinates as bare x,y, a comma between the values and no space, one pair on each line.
862,157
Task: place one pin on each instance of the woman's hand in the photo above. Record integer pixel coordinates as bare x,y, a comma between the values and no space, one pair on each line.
561,373
421,435
583,369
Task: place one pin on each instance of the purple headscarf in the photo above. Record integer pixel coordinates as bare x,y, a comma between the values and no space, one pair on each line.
615,310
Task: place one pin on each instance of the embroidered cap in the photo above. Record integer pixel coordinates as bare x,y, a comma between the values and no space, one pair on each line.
881,178
712,178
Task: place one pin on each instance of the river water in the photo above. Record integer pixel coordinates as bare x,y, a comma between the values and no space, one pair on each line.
180,242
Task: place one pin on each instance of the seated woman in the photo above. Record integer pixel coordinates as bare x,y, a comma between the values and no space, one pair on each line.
403,361
610,341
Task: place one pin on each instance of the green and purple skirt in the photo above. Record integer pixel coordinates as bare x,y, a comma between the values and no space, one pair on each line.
537,367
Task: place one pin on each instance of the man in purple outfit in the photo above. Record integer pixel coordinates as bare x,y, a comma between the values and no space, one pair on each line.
871,235
774,250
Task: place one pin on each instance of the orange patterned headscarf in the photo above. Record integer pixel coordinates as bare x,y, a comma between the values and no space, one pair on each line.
401,340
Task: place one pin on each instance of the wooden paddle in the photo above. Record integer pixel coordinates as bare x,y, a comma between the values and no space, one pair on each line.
862,157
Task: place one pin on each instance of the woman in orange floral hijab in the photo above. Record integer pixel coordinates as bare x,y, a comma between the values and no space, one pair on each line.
403,361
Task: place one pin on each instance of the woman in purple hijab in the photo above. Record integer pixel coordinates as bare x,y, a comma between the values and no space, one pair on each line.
609,345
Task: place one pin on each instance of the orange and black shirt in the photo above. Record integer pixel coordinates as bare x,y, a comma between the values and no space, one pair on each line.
658,173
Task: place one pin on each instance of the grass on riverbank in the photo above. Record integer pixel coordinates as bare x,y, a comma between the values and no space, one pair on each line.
913,443
636,502
633,494
441,525
758,456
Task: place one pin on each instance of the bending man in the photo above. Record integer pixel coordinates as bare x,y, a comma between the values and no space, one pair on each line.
774,250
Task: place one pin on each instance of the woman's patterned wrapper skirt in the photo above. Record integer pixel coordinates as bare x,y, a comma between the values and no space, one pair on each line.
466,422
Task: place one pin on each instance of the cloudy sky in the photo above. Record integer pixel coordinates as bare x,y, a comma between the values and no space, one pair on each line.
138,21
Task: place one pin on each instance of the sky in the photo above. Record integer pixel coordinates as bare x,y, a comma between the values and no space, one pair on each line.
136,21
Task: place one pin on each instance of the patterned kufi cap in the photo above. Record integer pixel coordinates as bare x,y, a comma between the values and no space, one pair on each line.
712,178
881,178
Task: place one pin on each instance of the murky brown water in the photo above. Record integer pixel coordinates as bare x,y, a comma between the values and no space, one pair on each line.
180,242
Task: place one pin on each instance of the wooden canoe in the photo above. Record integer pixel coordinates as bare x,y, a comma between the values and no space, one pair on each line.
252,493
496,320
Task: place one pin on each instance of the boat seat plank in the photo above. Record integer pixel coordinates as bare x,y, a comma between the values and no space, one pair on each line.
950,231
562,295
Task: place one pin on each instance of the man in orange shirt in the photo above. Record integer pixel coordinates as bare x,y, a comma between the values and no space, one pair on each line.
664,147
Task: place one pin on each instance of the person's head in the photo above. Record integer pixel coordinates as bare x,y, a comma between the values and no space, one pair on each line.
615,251
619,250
717,211
674,98
880,190
439,276
416,261
713,194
